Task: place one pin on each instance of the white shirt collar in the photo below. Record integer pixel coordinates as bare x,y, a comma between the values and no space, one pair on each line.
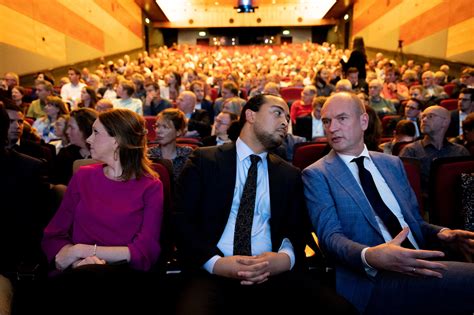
243,151
348,158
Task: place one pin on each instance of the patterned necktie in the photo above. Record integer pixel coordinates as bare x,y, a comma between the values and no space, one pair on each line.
243,223
384,213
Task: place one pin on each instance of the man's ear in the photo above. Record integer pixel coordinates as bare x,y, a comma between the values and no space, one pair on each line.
364,121
250,115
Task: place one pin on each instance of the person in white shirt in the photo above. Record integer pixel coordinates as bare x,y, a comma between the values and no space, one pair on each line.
71,92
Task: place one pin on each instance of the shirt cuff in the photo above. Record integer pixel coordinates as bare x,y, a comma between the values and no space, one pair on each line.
287,248
371,271
209,265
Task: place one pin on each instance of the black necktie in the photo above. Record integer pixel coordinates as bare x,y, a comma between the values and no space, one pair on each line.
371,192
243,223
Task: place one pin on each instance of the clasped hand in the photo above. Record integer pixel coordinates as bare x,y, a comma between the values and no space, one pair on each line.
252,269
75,256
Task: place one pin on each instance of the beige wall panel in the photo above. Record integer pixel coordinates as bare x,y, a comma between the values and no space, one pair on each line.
77,51
121,41
132,8
431,46
98,17
30,35
466,57
460,39
12,55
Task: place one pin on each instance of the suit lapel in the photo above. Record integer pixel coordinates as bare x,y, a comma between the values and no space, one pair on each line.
226,160
276,181
341,174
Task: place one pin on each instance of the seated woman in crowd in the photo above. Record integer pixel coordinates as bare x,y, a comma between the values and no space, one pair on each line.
109,222
88,97
56,116
79,128
18,93
170,124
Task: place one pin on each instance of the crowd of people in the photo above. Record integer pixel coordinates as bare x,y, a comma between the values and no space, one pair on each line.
105,219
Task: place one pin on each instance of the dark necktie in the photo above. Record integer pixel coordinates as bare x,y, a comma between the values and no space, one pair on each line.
243,223
384,213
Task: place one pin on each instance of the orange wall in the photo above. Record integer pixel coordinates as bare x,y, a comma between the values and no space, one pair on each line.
436,28
42,34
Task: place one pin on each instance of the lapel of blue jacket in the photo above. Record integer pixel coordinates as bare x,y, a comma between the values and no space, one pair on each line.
343,176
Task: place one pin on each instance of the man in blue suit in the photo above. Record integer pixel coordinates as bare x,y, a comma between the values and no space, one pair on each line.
373,268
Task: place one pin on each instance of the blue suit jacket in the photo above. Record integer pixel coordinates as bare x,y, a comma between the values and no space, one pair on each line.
345,222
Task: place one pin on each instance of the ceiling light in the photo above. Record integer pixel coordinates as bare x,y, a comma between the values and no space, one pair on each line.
286,32
346,17
147,20
202,33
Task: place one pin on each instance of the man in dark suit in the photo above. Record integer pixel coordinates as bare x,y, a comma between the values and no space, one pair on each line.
465,107
199,123
311,126
24,201
197,87
270,275
381,244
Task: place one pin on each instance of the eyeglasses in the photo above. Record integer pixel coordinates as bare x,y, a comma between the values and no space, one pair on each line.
411,107
220,122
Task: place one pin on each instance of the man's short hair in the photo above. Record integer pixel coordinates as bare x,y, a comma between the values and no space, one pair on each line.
76,71
352,70
155,86
47,85
405,127
254,104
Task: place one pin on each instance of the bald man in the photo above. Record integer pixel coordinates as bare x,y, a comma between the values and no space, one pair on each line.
376,268
434,124
199,122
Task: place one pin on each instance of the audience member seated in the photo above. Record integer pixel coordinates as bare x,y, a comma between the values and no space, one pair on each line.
310,126
303,106
197,87
381,106
125,91
71,91
221,125
232,105
154,104
107,229
16,135
358,85
89,97
343,85
434,124
321,82
170,124
467,137
79,128
43,90
272,88
56,113
198,121
229,89
18,93
104,105
404,133
432,91
465,107
23,194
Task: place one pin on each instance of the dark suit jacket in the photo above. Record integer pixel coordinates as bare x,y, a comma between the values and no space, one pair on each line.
207,106
23,215
453,129
304,127
201,122
204,198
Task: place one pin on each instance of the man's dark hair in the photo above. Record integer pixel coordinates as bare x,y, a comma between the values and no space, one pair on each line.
254,105
352,70
76,71
468,91
405,127
155,85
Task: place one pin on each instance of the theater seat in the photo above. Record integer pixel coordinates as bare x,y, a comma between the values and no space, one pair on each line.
412,168
150,127
445,190
291,94
305,153
449,104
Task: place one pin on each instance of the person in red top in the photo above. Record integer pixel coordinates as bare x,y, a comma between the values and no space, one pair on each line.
303,106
